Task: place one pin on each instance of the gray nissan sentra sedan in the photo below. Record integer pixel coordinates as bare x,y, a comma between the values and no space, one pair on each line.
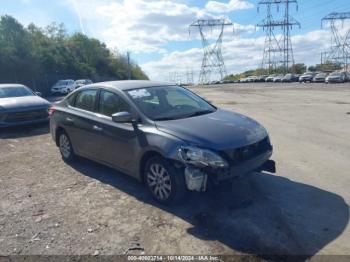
162,134
19,105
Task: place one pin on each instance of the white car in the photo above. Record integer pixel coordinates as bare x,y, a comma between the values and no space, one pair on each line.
63,87
82,82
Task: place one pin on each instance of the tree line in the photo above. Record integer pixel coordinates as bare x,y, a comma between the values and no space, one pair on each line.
38,57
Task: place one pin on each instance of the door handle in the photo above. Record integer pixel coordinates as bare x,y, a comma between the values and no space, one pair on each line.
69,119
97,128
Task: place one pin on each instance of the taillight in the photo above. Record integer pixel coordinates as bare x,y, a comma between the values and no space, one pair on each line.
51,110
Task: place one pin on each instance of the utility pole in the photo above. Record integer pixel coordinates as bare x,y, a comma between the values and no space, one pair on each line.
213,61
129,65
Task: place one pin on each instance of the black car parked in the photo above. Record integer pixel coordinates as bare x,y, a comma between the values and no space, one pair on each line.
290,78
163,135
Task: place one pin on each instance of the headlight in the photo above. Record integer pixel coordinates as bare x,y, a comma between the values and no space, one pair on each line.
201,157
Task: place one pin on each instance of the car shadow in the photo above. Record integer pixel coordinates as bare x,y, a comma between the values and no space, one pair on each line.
263,214
24,131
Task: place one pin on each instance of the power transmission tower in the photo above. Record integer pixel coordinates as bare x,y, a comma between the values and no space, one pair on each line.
213,61
189,77
288,24
339,52
271,47
283,47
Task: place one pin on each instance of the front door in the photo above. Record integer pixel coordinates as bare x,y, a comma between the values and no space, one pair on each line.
118,141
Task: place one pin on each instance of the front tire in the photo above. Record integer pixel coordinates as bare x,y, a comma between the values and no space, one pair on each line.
65,147
165,183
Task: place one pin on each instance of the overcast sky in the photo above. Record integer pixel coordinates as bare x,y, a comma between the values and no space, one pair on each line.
156,32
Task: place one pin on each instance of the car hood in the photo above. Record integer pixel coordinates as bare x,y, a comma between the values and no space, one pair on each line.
18,103
218,130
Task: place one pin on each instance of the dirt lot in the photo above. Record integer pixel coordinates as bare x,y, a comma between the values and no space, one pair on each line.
49,207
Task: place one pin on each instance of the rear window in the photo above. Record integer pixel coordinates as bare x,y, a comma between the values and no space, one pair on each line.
86,100
17,91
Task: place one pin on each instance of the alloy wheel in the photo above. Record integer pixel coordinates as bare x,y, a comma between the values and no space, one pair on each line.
65,147
159,181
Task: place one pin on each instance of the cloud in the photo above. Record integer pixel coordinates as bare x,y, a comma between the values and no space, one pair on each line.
232,5
142,26
79,16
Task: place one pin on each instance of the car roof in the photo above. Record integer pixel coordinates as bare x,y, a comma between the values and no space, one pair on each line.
11,85
130,84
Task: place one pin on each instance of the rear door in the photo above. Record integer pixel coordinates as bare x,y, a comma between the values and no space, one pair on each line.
80,121
118,141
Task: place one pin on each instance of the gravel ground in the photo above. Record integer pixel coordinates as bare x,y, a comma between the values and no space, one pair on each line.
49,207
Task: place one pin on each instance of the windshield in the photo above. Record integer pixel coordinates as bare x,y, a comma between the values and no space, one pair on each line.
308,74
15,92
62,83
169,102
82,81
335,74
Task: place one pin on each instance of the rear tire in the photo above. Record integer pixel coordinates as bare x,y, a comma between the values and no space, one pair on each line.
65,147
165,183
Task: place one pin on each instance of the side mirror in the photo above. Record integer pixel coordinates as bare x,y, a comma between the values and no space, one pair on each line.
122,117
38,93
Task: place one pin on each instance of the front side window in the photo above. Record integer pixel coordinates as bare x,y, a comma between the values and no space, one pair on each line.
111,103
86,100
169,102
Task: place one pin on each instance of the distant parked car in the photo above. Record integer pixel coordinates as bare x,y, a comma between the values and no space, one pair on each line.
270,78
320,78
290,78
336,77
19,105
278,78
261,78
82,82
306,77
63,87
250,79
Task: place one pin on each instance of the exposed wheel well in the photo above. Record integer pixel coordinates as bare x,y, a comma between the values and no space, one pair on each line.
148,155
59,130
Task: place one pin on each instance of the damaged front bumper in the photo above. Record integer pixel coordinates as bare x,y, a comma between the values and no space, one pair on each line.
197,179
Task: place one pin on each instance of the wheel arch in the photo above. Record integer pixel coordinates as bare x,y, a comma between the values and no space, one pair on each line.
59,130
145,157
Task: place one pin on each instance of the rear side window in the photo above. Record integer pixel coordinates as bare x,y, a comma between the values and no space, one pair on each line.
86,100
111,103
71,99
